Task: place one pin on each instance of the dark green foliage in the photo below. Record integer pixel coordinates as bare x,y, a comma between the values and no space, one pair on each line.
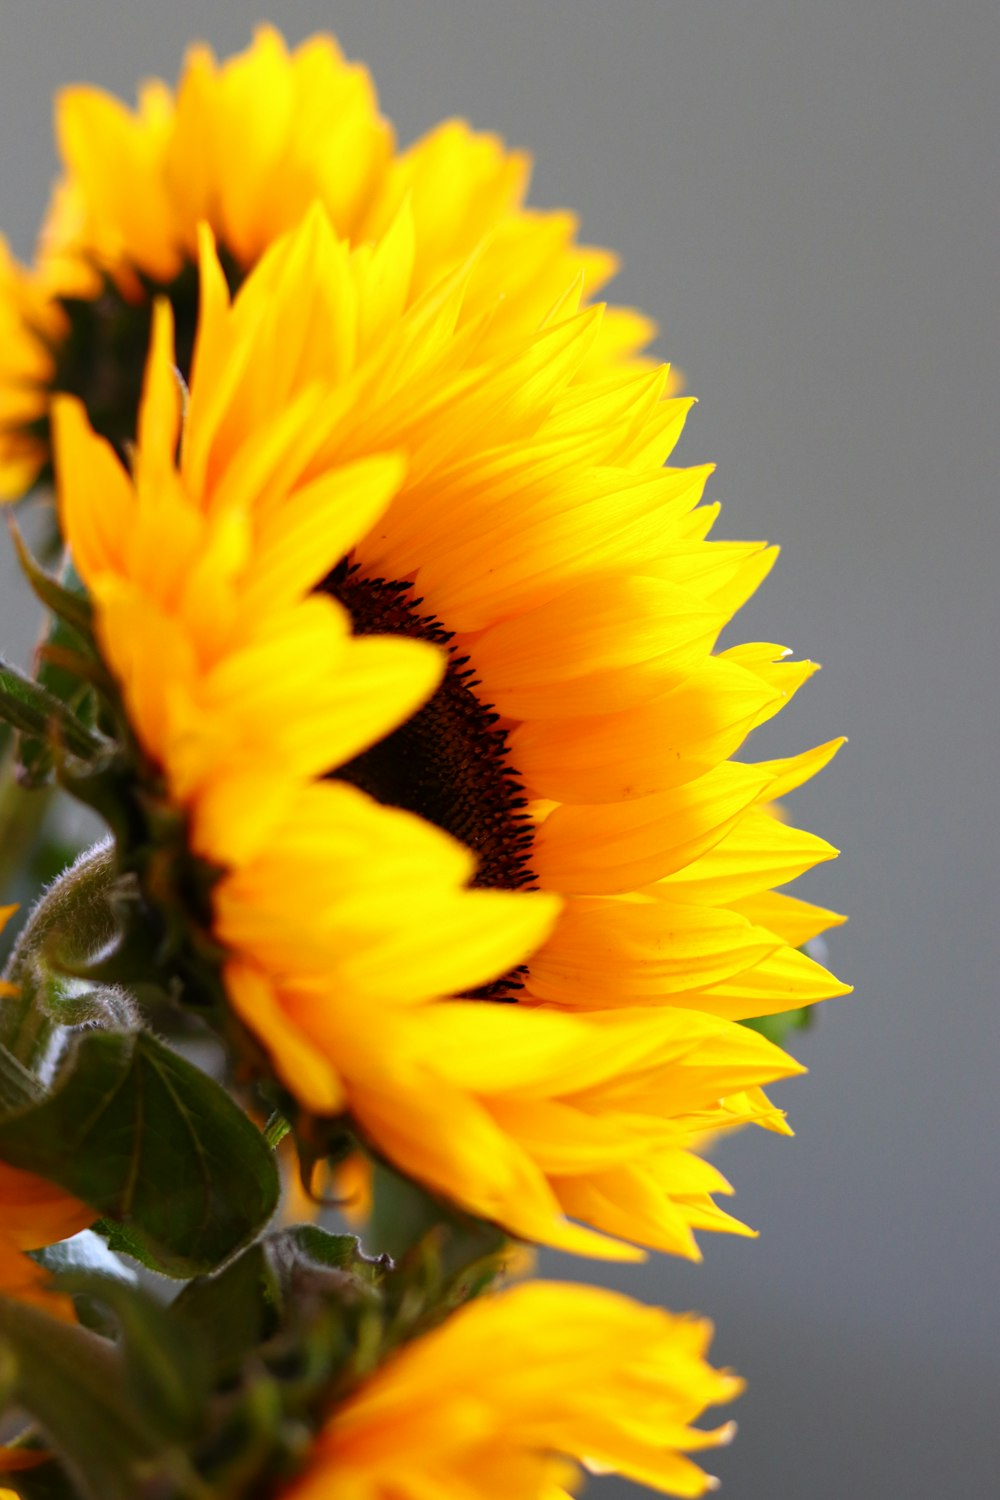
152,1143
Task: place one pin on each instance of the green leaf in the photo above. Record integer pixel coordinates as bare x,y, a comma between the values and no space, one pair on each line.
152,1143
333,1252
235,1310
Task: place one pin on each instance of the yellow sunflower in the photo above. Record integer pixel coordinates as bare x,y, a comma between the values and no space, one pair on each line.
580,738
516,1393
339,923
247,146
414,425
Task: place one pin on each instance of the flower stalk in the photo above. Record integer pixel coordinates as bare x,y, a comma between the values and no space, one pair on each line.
68,926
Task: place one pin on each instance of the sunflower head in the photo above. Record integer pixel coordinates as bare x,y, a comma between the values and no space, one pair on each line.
520,1392
245,146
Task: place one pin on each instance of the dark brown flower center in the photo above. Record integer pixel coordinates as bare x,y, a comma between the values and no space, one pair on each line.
449,762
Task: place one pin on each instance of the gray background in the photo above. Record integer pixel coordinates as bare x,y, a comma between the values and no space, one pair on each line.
805,196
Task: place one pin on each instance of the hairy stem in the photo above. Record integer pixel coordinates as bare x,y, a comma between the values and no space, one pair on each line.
70,924
21,815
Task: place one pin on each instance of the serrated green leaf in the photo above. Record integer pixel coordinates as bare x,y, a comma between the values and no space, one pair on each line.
151,1142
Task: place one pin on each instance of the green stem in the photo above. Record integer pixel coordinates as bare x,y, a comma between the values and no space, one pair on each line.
276,1128
70,924
21,815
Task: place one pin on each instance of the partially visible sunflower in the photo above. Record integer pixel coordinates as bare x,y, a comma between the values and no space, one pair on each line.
36,1213
516,1393
334,923
247,146
33,1214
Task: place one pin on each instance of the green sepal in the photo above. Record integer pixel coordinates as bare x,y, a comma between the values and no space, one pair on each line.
30,708
66,602
70,677
154,1144
780,1027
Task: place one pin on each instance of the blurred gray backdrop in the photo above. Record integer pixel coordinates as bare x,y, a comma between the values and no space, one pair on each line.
805,196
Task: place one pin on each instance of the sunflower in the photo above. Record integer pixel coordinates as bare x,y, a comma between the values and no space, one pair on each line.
339,927
580,739
247,146
422,557
516,1393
